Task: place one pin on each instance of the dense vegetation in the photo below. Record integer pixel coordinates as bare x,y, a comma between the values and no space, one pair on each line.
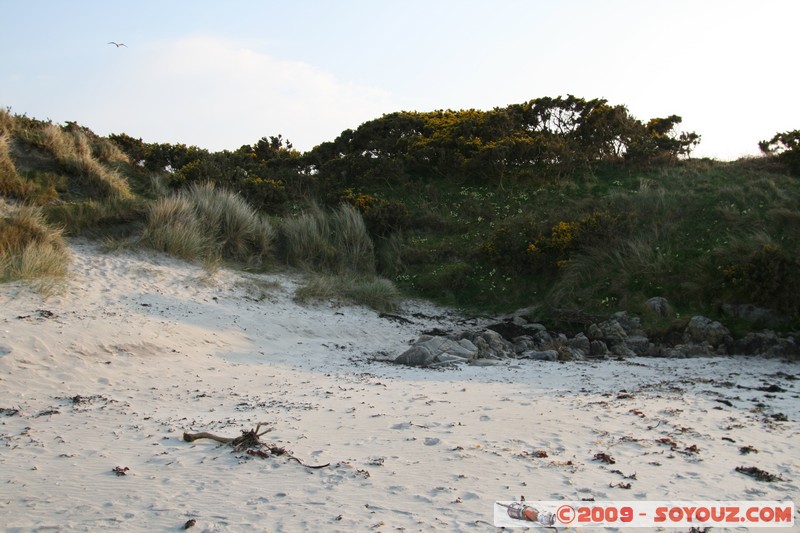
572,206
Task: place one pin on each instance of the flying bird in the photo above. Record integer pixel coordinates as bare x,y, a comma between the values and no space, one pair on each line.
118,44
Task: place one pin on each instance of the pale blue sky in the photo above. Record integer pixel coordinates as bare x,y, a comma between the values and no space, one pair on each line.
220,74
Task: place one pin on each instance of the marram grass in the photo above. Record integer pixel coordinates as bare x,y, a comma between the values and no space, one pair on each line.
73,152
30,249
328,241
375,292
209,225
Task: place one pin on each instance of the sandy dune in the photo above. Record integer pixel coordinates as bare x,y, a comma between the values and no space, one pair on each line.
140,348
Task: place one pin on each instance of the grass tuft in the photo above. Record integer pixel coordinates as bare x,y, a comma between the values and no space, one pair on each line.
209,225
30,249
73,152
328,241
374,292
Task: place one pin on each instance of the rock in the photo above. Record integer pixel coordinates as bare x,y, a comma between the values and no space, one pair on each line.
767,343
523,344
580,342
528,314
674,353
632,325
435,352
598,349
639,344
484,362
468,345
568,353
694,350
659,305
622,350
495,340
610,331
542,337
484,351
510,329
544,355
519,321
702,330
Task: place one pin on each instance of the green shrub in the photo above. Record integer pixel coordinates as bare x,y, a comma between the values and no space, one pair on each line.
768,277
520,244
786,147
382,217
265,193
508,245
450,277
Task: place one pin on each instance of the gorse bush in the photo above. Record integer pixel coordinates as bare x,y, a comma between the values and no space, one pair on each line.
29,247
267,193
520,243
209,224
382,217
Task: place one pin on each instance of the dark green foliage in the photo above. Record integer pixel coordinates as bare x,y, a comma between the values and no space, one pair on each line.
786,147
768,277
542,138
382,217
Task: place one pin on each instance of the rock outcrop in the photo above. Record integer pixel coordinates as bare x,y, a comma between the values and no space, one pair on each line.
619,336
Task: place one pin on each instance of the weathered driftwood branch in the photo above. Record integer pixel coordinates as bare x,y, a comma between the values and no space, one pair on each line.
191,437
246,440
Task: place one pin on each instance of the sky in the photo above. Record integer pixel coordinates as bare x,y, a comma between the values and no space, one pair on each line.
222,74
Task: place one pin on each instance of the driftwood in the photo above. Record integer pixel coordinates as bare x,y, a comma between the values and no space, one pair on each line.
248,441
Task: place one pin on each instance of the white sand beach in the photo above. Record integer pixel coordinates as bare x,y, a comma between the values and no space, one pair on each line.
139,348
